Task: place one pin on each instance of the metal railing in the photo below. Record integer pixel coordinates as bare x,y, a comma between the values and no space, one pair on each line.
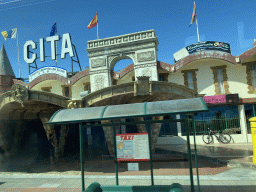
224,124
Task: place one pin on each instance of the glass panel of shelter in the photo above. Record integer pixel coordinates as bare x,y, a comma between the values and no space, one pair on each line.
147,121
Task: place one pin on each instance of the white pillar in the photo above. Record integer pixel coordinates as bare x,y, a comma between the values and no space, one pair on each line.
243,122
179,125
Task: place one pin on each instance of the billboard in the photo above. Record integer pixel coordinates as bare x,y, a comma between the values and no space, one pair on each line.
47,70
204,45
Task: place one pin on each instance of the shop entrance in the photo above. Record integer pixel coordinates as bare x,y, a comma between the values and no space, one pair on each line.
93,139
34,141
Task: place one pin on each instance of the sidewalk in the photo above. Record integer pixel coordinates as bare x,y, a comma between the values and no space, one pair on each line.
214,174
232,155
232,180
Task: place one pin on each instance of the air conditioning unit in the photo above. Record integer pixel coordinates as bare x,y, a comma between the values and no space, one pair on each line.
82,94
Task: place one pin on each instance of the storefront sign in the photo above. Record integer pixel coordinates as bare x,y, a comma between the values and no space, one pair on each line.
66,47
232,98
215,99
132,147
229,98
47,70
205,45
208,45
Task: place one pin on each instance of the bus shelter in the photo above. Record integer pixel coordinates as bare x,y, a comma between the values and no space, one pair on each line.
85,116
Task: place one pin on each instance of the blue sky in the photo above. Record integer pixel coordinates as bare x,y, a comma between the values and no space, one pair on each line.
225,21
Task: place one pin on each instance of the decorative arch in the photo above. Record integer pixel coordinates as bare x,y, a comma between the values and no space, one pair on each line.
141,47
47,77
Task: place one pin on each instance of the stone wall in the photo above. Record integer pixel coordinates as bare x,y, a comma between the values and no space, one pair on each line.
141,128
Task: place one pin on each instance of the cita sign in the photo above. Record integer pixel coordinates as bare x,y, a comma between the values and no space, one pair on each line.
66,47
47,70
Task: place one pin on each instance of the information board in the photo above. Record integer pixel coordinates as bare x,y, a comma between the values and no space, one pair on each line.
48,70
132,147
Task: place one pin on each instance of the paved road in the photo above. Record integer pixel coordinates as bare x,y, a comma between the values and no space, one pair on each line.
231,180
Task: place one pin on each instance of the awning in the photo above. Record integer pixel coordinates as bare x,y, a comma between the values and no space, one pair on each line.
146,109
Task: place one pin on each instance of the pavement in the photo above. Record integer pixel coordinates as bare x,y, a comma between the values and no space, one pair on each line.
214,174
232,155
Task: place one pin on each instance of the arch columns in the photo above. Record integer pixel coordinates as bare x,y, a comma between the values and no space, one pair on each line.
155,130
141,47
49,129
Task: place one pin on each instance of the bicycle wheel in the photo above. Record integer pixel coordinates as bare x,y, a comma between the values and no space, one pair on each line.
225,138
207,138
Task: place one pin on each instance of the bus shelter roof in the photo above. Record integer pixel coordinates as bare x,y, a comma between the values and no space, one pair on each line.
146,109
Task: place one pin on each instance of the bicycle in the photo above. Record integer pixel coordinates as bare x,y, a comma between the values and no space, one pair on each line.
223,137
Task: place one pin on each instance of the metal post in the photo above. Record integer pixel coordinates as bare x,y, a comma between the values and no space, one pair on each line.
116,163
81,155
18,53
72,64
226,123
150,152
189,155
196,153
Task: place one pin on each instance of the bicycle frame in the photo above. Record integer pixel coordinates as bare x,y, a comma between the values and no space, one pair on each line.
213,133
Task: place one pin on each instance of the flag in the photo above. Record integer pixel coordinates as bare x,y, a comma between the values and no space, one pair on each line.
193,15
94,22
54,29
10,33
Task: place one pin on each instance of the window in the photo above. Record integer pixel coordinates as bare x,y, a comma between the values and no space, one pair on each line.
253,75
220,80
66,91
114,81
190,80
46,89
133,78
163,76
87,86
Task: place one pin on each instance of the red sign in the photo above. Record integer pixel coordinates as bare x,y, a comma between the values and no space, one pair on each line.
126,137
215,99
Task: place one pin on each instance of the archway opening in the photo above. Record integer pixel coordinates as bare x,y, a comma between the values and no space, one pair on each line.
34,140
119,66
122,64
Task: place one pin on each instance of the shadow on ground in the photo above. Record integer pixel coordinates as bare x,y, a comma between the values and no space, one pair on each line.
95,164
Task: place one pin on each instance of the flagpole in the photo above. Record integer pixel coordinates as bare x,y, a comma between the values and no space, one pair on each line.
197,27
56,55
97,26
56,47
18,53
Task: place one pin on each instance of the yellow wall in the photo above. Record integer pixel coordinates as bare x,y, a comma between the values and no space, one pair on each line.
237,81
236,77
126,79
56,86
79,87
